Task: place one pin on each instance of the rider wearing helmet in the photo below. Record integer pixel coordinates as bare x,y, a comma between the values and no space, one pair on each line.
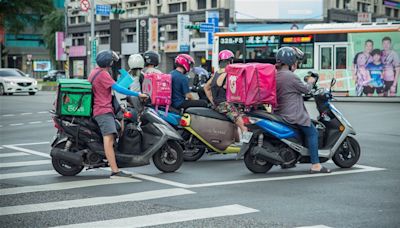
181,96
136,65
103,112
151,61
289,90
216,91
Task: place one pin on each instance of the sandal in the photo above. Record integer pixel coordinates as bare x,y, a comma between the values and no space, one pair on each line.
322,170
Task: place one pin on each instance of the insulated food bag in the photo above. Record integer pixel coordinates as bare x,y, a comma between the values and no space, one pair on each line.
159,87
74,97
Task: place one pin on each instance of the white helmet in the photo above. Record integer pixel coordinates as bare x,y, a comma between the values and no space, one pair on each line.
136,61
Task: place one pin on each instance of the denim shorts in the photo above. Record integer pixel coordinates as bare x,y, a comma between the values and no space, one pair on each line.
106,124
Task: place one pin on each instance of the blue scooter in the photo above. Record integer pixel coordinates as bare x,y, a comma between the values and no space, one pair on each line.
275,142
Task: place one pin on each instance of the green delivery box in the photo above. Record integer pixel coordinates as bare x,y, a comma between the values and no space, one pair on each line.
74,97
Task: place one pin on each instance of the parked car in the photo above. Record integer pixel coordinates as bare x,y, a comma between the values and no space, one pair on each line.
15,81
54,75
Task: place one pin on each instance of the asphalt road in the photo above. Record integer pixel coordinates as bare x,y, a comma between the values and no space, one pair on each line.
216,191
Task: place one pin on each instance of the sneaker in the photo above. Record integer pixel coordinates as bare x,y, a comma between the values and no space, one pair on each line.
120,174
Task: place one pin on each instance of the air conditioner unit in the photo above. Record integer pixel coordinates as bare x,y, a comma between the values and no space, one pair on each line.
168,27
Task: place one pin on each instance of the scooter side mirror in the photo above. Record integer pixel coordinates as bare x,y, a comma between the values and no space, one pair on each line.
333,82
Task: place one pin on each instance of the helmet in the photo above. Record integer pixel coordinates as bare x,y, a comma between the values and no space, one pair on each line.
106,58
185,61
151,58
136,61
289,55
225,55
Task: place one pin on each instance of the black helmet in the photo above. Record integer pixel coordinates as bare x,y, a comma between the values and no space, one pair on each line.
106,58
151,58
289,55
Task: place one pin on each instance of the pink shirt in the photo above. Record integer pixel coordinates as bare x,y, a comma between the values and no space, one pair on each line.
101,88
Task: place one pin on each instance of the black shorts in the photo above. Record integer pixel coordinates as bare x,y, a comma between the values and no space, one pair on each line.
388,84
107,124
371,90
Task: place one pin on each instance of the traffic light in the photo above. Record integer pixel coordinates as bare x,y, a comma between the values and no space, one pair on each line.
117,11
194,27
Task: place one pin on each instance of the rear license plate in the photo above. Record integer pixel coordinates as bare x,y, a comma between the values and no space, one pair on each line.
247,136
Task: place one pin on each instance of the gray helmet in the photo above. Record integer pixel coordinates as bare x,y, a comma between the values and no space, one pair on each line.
151,58
136,61
106,58
289,55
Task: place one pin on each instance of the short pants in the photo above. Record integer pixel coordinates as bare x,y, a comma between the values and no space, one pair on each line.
388,85
229,110
371,90
106,124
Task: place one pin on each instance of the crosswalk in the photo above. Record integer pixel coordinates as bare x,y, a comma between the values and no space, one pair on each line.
32,189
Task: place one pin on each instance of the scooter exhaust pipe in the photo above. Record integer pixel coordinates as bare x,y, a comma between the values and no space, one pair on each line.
74,158
265,154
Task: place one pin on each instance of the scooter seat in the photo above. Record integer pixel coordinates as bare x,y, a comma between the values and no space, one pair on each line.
276,118
206,112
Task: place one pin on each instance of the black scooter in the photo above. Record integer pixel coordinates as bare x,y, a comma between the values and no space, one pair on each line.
78,143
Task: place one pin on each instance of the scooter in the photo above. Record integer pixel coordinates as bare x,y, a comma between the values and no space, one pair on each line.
275,142
78,143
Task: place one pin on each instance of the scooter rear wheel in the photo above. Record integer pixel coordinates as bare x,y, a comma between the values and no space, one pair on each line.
256,165
348,153
169,158
63,167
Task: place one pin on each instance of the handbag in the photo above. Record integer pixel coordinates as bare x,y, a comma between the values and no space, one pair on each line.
114,101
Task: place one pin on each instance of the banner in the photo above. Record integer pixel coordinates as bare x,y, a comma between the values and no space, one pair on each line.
183,34
143,35
60,52
41,65
153,38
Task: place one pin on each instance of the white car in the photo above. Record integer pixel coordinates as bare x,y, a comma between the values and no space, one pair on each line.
15,81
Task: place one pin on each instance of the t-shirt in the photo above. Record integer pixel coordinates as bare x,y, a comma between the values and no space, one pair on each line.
376,71
101,87
180,87
391,61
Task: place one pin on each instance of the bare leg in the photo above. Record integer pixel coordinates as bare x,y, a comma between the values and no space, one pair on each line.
109,151
240,124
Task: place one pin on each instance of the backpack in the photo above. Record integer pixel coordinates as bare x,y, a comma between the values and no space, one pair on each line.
159,87
251,84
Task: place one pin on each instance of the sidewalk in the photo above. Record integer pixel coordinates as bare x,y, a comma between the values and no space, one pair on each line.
368,99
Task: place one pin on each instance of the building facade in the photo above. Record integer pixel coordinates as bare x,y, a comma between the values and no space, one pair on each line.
145,25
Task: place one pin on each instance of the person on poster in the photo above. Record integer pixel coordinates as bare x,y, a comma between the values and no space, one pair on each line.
361,60
375,75
391,68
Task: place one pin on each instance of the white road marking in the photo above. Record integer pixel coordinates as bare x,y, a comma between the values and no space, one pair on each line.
1,125
28,151
25,163
159,180
43,112
35,122
171,217
27,174
15,154
66,185
49,121
26,113
28,144
6,115
67,204
360,170
1,146
16,124
316,226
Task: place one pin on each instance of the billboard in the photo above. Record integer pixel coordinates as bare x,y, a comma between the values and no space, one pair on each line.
41,65
183,34
279,10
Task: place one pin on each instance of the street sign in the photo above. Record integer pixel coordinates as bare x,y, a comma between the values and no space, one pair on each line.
207,27
93,51
212,17
85,5
103,10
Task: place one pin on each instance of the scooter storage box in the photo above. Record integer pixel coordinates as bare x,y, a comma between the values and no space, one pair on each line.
251,84
74,97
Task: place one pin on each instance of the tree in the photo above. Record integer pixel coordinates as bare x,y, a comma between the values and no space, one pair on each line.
18,14
52,23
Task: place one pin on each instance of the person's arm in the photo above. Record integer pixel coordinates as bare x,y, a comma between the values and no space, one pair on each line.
185,89
302,87
207,90
396,63
128,92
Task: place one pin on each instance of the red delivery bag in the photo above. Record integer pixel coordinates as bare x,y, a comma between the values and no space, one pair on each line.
159,87
251,84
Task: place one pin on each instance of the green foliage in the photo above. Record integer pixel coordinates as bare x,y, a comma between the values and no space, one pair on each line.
52,23
17,14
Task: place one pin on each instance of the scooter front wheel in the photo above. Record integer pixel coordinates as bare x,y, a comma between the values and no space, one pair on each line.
169,158
348,153
256,165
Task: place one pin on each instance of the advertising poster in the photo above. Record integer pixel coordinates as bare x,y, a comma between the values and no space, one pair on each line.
375,63
183,34
78,68
41,65
153,36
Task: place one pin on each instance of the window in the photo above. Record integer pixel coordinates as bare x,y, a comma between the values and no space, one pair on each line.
201,4
142,11
326,58
173,36
104,40
129,38
388,11
234,44
341,58
184,6
174,8
308,49
213,3
396,13
81,19
72,20
375,8
159,8
104,18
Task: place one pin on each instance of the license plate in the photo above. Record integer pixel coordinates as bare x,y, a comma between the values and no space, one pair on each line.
247,136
